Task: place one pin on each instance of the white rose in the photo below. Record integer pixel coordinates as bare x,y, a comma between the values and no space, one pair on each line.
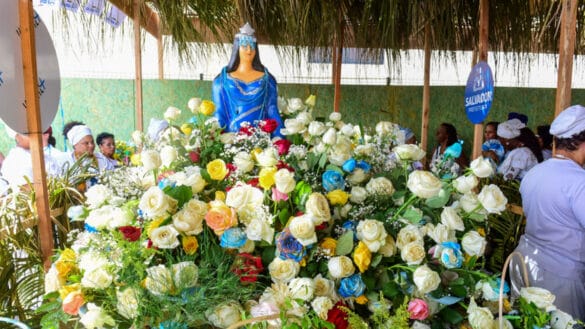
127,303
301,288
380,186
318,207
172,113
473,243
413,253
358,194
347,130
52,280
92,260
482,167
506,324
194,179
303,229
384,128
244,195
292,126
469,202
419,325
257,230
340,267
464,184
541,297
330,136
317,128
305,118
409,233
120,217
266,308
189,220
243,162
98,278
492,199
150,159
321,305
137,138
193,104
284,180
425,279
100,218
357,176
441,233
335,116
227,138
424,184
372,233
295,104
481,318
95,317
165,237
267,158
225,314
487,292
451,219
155,203
323,286
185,274
168,154
409,152
97,195
365,150
283,270
561,320
159,280
389,248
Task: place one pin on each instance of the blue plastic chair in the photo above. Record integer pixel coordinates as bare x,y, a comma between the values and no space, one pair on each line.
14,322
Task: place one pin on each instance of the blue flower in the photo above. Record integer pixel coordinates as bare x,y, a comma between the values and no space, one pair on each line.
350,225
364,166
451,255
166,182
349,165
289,247
172,325
453,151
496,286
233,238
352,286
333,180
90,228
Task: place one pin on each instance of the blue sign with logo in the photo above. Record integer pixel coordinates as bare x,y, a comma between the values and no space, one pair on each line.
479,92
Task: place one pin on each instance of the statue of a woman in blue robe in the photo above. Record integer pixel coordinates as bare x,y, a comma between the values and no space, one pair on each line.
245,91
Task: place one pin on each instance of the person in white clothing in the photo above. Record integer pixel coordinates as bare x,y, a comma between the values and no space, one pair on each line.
523,150
81,139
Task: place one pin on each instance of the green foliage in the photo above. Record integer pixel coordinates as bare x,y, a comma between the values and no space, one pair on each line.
344,244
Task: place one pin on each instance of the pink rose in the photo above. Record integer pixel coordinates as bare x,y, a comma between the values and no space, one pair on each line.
73,302
278,196
418,309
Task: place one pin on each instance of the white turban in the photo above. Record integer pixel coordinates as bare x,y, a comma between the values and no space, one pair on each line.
76,133
155,127
510,129
569,122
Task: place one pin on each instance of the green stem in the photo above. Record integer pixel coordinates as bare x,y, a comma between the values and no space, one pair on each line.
403,207
401,267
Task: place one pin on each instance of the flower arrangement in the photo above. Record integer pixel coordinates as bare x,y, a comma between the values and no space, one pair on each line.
333,226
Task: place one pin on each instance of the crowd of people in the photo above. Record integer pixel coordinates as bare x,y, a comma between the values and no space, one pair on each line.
17,169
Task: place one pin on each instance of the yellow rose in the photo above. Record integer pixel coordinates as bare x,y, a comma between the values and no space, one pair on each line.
68,255
217,169
66,263
154,224
187,128
220,195
337,197
362,300
207,107
362,256
66,290
266,177
220,217
255,153
328,245
190,244
135,159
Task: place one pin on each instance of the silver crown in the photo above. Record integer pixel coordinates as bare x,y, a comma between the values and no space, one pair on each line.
246,30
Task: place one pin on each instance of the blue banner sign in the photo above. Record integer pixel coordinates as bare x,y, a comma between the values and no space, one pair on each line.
479,92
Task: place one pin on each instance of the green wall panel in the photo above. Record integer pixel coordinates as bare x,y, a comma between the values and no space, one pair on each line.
109,105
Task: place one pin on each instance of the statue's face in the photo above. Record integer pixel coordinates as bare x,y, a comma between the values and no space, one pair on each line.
247,53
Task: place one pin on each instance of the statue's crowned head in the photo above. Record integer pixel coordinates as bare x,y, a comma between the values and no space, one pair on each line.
246,36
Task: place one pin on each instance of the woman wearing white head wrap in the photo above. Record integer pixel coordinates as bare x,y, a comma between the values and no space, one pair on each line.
553,199
522,148
81,139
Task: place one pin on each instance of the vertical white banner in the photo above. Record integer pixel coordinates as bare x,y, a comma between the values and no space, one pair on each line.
95,7
115,16
72,5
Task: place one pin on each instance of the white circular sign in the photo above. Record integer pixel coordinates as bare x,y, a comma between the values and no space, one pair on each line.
13,107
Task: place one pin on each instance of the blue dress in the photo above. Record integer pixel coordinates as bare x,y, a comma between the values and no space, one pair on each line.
237,101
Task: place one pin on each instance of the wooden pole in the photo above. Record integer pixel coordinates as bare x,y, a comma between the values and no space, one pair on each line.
483,54
138,65
426,101
33,118
160,48
337,60
566,51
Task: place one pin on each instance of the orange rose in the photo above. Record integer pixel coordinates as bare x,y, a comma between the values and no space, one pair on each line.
73,302
220,217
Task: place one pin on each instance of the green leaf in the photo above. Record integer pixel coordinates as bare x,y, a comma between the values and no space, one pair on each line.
344,244
180,193
412,215
451,316
376,260
438,201
334,168
268,254
477,217
390,289
283,216
323,160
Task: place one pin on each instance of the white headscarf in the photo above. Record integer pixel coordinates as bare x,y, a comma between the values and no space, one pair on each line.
155,127
77,133
510,129
569,122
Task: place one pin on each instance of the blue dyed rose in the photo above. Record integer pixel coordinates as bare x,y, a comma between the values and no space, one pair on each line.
352,286
349,165
166,182
289,247
350,225
364,166
453,151
451,255
333,180
233,238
